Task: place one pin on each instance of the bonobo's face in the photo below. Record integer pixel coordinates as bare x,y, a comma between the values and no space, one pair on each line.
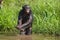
27,9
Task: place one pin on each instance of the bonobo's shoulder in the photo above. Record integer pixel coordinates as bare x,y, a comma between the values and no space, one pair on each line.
21,12
31,14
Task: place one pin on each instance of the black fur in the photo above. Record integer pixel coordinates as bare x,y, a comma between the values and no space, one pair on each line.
25,18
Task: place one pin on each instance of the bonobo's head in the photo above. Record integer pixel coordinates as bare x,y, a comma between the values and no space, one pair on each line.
26,8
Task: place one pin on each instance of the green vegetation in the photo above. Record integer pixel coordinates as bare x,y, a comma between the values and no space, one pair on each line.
46,15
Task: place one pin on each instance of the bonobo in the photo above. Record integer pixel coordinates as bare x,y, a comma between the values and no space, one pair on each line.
25,19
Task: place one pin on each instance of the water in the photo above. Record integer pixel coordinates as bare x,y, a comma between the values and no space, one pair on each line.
29,37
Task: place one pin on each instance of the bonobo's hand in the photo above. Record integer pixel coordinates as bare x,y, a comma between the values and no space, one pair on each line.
22,29
18,27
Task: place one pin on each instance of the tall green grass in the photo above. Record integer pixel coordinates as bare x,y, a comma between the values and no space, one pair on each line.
46,15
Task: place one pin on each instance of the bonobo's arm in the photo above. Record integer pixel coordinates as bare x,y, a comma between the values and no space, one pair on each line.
28,22
19,25
19,20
